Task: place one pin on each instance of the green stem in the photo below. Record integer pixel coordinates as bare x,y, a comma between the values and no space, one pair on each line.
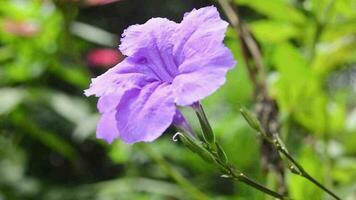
222,164
230,170
183,182
278,144
305,174
260,187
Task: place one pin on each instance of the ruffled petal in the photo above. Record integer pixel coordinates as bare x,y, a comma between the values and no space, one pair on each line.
107,103
150,45
124,76
110,87
143,115
107,127
199,77
199,31
139,36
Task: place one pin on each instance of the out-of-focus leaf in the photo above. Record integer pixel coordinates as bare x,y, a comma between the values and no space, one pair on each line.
351,121
21,70
5,53
119,152
292,78
334,10
345,170
345,8
93,34
73,109
336,112
85,127
317,7
237,138
13,169
335,54
12,161
297,89
31,39
270,31
338,30
275,9
46,137
116,189
72,74
10,98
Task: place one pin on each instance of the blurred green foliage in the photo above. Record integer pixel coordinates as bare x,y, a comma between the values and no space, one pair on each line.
48,148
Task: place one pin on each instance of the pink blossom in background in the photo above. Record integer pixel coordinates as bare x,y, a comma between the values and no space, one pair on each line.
20,28
104,57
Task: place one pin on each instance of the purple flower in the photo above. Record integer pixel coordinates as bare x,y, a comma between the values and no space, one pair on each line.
167,64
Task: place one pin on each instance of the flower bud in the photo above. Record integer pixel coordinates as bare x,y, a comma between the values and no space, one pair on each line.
251,119
208,133
195,147
221,152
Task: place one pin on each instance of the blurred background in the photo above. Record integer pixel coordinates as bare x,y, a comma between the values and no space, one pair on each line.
49,50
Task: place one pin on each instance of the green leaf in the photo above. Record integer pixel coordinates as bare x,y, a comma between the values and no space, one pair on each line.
10,98
298,90
270,31
275,9
334,54
74,109
85,127
119,152
46,137
338,30
73,74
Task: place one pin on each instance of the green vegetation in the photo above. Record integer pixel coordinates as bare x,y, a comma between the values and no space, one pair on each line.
48,148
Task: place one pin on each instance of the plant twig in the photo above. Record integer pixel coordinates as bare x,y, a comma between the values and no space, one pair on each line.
301,171
277,143
214,153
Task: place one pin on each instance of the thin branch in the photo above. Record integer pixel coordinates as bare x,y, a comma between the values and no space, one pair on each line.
304,173
221,161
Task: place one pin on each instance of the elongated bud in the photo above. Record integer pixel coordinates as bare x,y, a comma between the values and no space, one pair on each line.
196,148
208,133
221,153
251,119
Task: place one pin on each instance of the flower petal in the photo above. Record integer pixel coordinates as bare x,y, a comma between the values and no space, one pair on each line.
198,30
107,103
107,127
139,36
143,115
125,75
199,77
150,45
